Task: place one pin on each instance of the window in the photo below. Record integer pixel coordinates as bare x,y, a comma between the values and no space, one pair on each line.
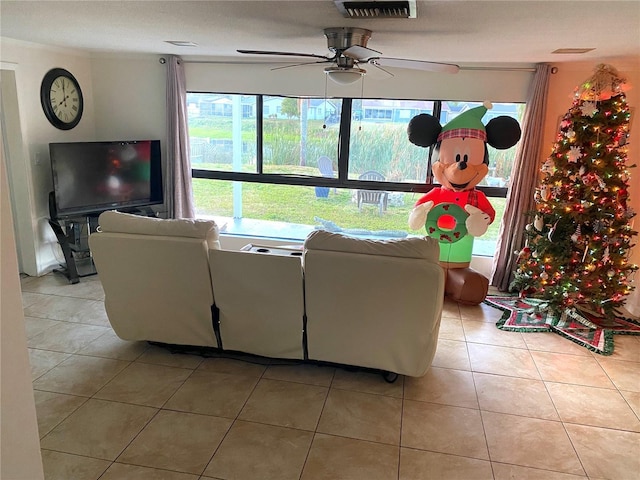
305,130
379,141
282,166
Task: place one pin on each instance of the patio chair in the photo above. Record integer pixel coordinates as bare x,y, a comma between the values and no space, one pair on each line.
373,197
325,165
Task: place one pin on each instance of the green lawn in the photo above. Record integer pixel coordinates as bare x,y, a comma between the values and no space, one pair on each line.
299,204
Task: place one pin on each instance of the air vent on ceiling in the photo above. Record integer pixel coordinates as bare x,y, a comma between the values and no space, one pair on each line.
573,50
381,9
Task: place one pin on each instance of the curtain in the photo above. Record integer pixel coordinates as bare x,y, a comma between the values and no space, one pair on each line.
178,192
524,178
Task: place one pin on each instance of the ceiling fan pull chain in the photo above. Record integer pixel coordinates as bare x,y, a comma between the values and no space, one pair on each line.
361,104
324,122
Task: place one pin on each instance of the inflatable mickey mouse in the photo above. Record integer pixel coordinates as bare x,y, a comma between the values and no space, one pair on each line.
457,212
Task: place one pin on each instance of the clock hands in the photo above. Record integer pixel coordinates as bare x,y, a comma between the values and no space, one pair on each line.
64,95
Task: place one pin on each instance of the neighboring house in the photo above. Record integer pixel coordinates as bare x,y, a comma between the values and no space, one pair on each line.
222,105
372,110
389,110
451,110
218,105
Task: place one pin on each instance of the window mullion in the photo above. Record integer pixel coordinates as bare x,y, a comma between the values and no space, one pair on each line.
437,112
437,109
259,138
343,140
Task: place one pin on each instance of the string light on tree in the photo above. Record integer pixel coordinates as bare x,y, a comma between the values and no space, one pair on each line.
579,240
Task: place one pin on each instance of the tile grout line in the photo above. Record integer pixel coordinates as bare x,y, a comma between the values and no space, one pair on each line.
315,431
86,399
564,427
158,410
404,394
233,421
482,420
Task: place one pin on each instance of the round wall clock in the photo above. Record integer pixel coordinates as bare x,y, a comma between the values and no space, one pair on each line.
61,99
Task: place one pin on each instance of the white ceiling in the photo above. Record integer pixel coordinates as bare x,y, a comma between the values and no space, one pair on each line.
464,32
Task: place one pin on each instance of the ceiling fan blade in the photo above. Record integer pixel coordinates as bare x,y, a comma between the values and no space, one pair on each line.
360,53
415,65
286,54
378,68
300,64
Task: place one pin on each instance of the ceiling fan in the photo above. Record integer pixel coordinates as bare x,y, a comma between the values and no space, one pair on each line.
350,53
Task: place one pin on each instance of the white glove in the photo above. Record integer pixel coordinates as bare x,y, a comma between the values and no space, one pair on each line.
477,222
418,216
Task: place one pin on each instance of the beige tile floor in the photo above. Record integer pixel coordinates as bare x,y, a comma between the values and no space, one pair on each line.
495,405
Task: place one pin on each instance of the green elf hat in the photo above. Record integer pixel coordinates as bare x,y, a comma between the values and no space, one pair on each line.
468,124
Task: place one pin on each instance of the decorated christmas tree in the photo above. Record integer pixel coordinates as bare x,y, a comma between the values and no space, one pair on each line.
576,254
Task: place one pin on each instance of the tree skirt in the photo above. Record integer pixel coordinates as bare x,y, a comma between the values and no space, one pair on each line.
590,331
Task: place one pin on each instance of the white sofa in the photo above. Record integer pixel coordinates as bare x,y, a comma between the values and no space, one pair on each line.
366,303
373,303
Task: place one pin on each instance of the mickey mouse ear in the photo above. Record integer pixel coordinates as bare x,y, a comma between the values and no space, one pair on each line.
423,130
503,132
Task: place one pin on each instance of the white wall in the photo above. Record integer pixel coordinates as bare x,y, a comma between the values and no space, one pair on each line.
18,173
30,63
495,86
129,94
19,441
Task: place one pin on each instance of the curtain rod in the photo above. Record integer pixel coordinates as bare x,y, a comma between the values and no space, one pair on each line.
470,68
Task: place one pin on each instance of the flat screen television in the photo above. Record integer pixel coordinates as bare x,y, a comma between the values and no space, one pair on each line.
92,177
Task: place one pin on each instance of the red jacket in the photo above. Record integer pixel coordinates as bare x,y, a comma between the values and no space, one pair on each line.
468,197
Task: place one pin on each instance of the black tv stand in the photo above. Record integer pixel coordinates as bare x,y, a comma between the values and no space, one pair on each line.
72,233
73,237
142,211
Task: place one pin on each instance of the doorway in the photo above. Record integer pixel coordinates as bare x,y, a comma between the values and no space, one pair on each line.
17,171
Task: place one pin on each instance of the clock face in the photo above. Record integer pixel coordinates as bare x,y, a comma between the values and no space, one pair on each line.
61,99
65,99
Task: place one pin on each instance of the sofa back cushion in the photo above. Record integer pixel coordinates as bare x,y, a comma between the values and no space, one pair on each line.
118,222
415,247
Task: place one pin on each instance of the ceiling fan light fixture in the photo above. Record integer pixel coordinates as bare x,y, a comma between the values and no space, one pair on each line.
345,76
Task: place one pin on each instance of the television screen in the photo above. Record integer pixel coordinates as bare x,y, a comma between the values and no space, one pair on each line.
91,177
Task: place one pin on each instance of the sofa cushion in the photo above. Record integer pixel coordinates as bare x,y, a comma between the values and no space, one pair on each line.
118,222
413,247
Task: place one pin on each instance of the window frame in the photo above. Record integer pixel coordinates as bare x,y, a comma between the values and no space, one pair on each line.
342,180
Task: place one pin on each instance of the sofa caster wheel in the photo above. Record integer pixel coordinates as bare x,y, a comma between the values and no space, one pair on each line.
390,377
